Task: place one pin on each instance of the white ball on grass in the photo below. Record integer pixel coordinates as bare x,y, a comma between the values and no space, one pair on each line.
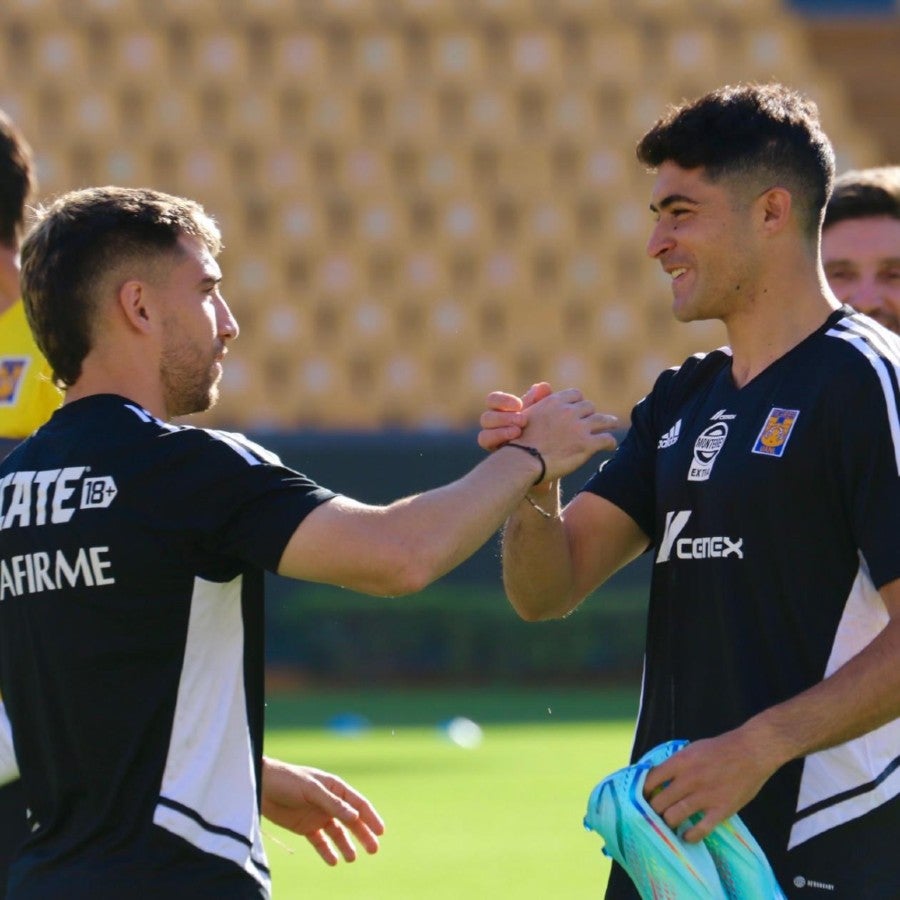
464,732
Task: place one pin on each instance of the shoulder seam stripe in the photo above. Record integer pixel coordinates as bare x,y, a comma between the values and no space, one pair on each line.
140,413
236,445
861,341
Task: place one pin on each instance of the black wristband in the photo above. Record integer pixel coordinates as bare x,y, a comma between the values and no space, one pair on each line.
536,454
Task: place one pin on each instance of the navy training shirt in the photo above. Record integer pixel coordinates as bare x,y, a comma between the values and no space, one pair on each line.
774,516
131,649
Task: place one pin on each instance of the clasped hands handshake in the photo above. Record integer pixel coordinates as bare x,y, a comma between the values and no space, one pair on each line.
562,426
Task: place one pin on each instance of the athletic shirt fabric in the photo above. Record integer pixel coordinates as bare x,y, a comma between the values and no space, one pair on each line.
774,514
27,395
131,650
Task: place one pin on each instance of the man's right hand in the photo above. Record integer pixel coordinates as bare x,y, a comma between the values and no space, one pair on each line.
505,416
562,426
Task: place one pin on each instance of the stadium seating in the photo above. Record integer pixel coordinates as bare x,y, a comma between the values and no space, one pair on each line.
422,200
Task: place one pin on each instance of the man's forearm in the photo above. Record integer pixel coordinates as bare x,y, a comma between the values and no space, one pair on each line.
861,696
537,571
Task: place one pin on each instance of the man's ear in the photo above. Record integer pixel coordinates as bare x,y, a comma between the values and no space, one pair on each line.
774,207
133,301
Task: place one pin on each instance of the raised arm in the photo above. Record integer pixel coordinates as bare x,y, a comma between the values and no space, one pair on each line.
553,558
552,562
402,547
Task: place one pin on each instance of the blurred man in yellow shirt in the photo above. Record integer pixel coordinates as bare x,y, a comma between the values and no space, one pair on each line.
27,395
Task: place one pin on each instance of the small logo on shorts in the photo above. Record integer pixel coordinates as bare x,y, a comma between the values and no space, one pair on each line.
775,434
801,882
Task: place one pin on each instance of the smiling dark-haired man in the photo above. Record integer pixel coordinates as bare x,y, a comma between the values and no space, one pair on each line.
764,478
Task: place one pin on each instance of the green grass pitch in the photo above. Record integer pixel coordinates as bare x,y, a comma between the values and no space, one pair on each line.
499,820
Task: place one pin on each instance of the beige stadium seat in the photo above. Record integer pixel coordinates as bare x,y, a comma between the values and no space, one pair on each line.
352,13
663,12
116,13
461,221
491,114
507,13
548,222
692,54
745,10
573,114
423,271
487,369
433,14
458,58
450,323
266,13
381,221
767,51
203,168
300,226
59,56
589,13
503,279
32,12
412,119
249,111
337,276
94,114
192,12
299,60
615,55
443,172
139,56
366,172
334,116
378,59
535,57
219,58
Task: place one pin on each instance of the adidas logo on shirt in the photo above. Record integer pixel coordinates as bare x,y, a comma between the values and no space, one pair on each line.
670,437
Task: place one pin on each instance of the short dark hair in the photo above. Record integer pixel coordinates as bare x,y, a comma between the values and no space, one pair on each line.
78,241
17,180
761,134
863,193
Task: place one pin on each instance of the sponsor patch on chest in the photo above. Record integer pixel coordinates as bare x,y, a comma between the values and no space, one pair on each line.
706,450
776,432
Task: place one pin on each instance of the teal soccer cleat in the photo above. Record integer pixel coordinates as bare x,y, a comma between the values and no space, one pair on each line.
659,863
728,865
742,866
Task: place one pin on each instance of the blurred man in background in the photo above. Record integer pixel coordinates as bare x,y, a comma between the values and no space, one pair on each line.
27,395
861,242
765,476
